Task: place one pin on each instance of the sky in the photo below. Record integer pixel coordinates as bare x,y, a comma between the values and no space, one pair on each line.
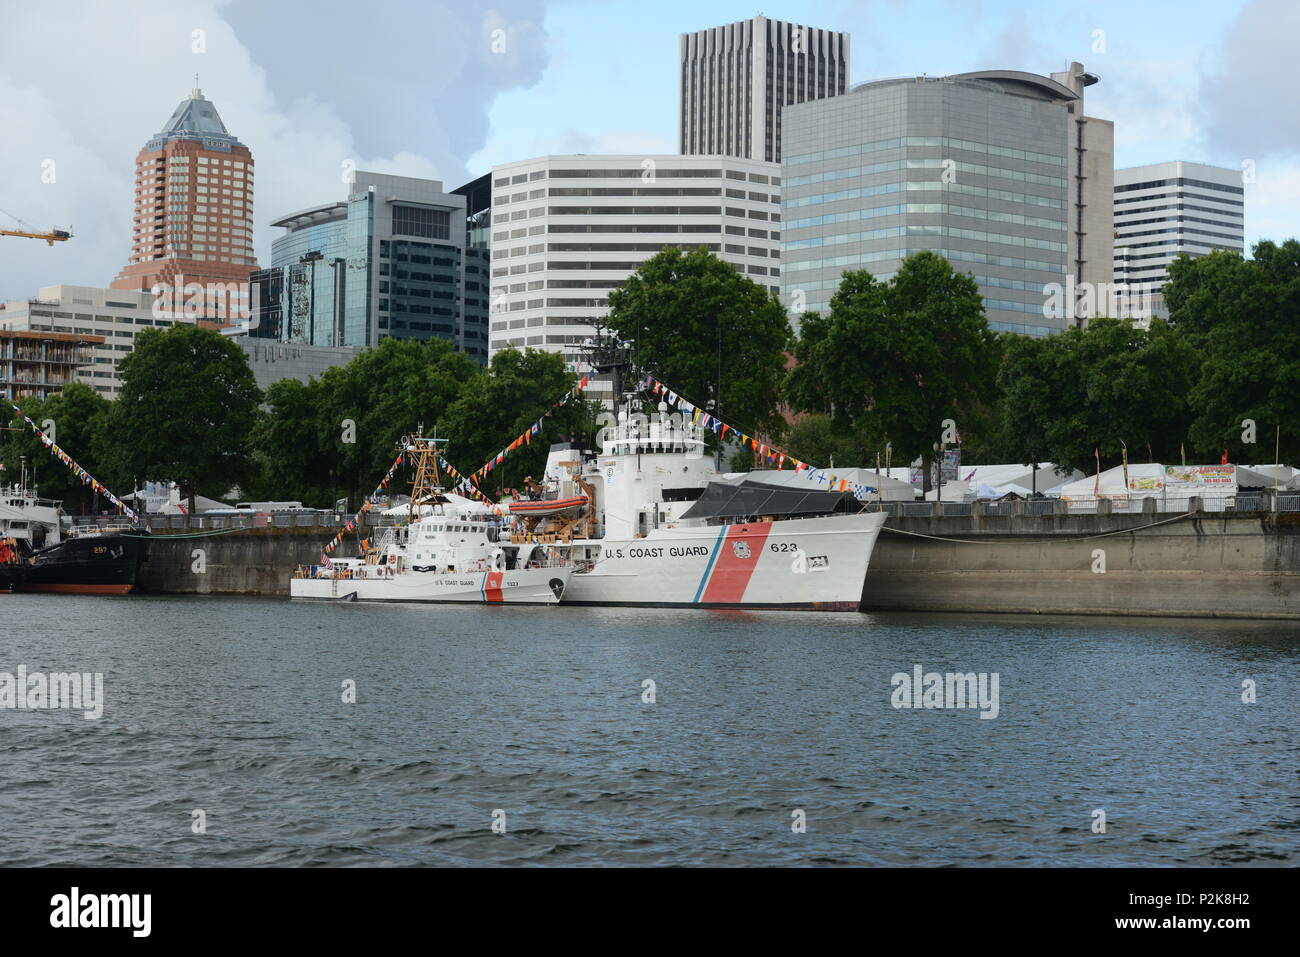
445,89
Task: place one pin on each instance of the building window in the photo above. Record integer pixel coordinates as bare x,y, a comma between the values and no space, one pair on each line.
421,221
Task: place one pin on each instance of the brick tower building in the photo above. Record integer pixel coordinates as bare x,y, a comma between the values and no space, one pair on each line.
193,209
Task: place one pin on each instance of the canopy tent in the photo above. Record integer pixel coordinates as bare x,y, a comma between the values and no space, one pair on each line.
890,489
459,502
1007,476
1144,479
1263,476
724,500
174,503
1002,491
1151,480
1022,475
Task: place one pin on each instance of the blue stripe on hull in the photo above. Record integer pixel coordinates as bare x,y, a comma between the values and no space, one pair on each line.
708,569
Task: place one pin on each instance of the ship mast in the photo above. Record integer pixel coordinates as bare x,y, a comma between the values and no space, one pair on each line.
609,356
426,488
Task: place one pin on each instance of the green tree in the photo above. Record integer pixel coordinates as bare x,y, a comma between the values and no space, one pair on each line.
78,414
1241,316
1097,388
708,332
892,360
388,392
503,401
291,444
187,408
336,436
818,439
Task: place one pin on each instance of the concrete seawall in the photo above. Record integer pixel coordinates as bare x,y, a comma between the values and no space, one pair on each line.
1200,564
250,561
1195,565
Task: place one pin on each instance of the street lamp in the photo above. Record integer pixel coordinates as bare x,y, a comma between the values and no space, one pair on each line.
938,449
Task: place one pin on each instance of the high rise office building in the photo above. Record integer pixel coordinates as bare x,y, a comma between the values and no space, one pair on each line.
1091,166
984,168
193,220
1164,209
734,81
568,229
388,260
478,263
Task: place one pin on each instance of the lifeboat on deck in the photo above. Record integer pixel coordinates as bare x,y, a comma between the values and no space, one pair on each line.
542,508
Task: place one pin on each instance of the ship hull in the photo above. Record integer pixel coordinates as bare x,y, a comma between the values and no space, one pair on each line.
11,576
534,586
811,564
92,565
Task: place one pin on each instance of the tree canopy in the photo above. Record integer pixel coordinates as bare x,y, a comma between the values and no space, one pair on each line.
1241,318
709,332
187,408
892,360
78,413
1099,388
333,437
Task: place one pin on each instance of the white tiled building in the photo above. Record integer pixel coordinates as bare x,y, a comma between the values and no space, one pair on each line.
568,229
115,314
1164,209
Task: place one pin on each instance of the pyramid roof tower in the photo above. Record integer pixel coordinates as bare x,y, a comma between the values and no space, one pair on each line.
194,118
193,215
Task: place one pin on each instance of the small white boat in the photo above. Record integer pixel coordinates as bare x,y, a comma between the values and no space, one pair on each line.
452,552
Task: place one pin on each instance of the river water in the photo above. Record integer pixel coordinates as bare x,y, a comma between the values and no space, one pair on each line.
772,738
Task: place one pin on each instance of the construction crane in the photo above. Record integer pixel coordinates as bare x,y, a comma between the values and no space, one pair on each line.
51,236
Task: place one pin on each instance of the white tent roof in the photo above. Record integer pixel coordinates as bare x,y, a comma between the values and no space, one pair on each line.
1263,475
458,502
1154,478
1112,482
176,501
892,490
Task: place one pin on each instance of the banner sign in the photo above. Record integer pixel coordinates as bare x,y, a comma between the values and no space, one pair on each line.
1217,476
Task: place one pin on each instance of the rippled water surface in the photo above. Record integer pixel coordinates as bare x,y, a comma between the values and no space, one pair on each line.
234,707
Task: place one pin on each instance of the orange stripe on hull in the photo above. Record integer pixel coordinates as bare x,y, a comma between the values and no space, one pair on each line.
737,558
78,589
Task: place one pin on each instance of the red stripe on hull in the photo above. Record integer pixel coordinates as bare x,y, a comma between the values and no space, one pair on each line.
492,587
79,589
737,558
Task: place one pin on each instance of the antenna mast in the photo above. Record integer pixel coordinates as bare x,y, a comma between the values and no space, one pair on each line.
426,488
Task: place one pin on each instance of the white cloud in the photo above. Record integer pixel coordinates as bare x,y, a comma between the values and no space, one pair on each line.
1273,201
1246,98
86,84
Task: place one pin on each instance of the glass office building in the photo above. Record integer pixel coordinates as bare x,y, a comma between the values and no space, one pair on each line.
389,260
975,167
478,263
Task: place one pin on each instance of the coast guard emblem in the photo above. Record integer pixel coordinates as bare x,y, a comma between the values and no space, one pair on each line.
741,549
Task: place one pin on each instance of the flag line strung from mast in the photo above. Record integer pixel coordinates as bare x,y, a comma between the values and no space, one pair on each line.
466,485
365,506
770,452
526,437
85,477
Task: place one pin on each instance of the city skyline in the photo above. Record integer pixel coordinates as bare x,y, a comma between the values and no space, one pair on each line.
520,86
